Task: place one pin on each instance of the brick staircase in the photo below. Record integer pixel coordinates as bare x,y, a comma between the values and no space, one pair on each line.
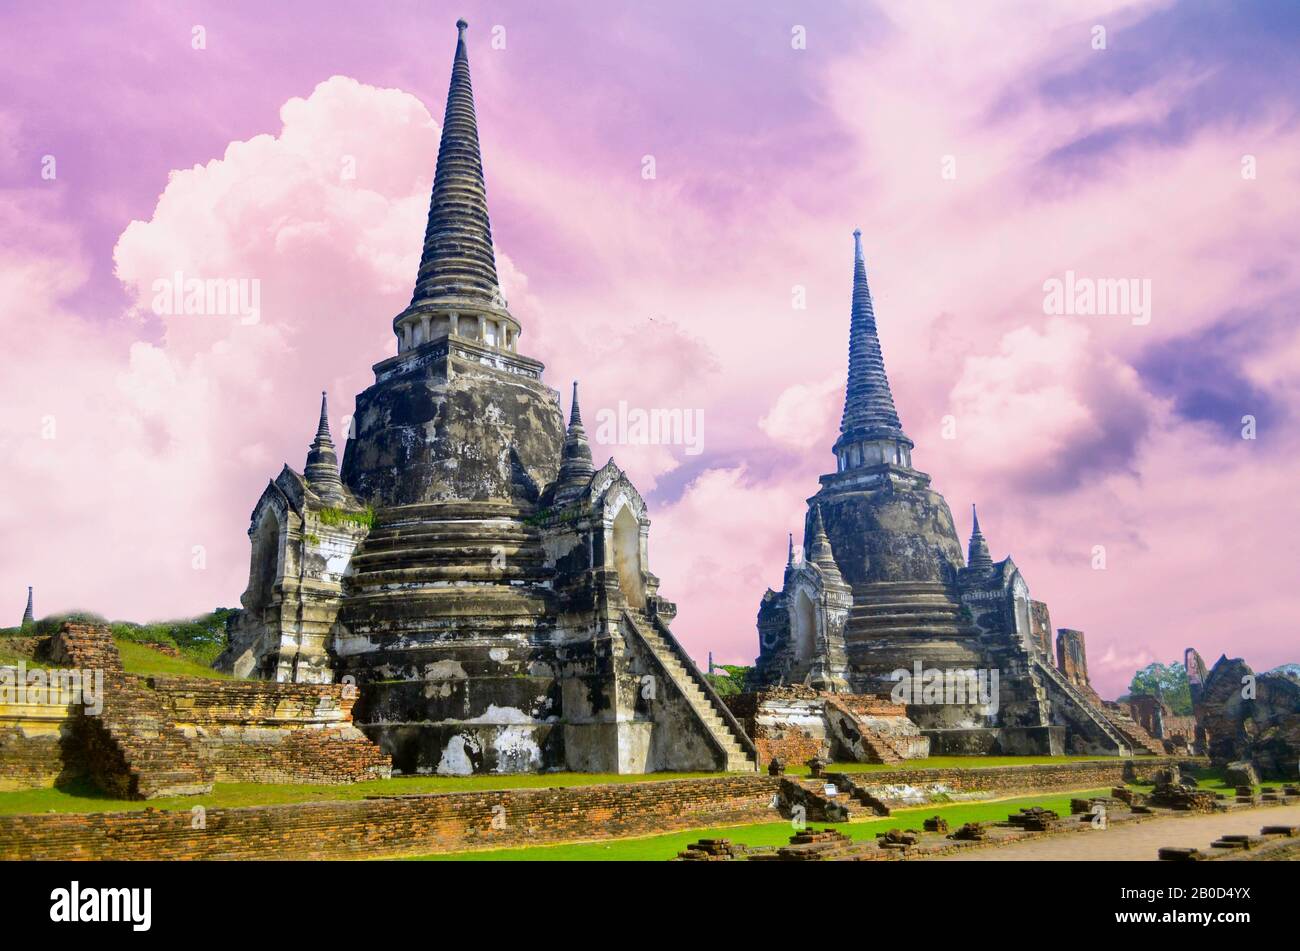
880,748
737,748
858,793
136,752
133,750
1131,730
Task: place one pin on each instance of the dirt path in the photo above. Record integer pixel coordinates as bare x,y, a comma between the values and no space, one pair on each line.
1139,840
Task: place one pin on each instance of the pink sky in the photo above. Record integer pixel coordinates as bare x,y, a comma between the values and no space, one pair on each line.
127,439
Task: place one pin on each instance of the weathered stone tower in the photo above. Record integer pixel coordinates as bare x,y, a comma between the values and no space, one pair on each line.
885,590
28,617
483,584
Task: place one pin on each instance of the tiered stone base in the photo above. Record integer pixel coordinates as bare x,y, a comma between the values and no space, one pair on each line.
446,628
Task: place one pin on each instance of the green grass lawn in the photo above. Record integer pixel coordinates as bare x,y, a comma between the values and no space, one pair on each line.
662,847
141,659
82,797
1212,779
951,762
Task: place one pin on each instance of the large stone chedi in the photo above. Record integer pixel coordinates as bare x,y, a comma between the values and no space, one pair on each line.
480,580
880,585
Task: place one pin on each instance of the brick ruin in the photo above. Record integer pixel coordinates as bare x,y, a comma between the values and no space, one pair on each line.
170,736
794,723
1244,717
485,586
880,587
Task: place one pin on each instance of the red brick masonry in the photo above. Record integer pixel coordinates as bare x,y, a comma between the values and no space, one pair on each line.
471,820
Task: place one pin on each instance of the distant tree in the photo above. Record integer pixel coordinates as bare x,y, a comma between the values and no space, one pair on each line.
730,682
1166,681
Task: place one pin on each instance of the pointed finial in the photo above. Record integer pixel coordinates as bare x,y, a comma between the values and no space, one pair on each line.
857,244
323,427
789,558
977,552
575,414
820,552
322,469
458,264
576,468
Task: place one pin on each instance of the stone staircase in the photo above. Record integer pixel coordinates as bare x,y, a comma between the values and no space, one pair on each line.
738,749
845,783
1082,708
1132,731
885,609
136,752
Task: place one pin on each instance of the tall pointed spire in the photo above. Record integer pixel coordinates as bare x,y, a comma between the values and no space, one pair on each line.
977,554
870,431
576,468
322,469
456,288
458,261
28,617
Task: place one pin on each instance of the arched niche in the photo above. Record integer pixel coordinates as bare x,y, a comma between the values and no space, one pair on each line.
804,621
264,568
626,536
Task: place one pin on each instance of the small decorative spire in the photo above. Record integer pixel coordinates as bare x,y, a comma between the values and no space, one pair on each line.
576,467
820,552
28,617
322,469
575,414
977,554
789,559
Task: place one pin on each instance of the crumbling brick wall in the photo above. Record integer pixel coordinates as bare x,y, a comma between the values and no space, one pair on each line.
396,825
484,819
175,735
262,731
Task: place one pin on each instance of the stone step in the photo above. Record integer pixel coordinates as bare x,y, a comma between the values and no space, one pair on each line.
370,579
450,535
909,630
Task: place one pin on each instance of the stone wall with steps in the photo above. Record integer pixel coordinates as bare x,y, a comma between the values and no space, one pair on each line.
38,741
170,736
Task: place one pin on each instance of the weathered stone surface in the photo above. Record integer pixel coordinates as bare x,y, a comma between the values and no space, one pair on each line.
1250,717
915,606
494,606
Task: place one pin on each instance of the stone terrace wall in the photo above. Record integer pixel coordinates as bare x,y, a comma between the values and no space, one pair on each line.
174,735
396,825
38,741
459,821
264,732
